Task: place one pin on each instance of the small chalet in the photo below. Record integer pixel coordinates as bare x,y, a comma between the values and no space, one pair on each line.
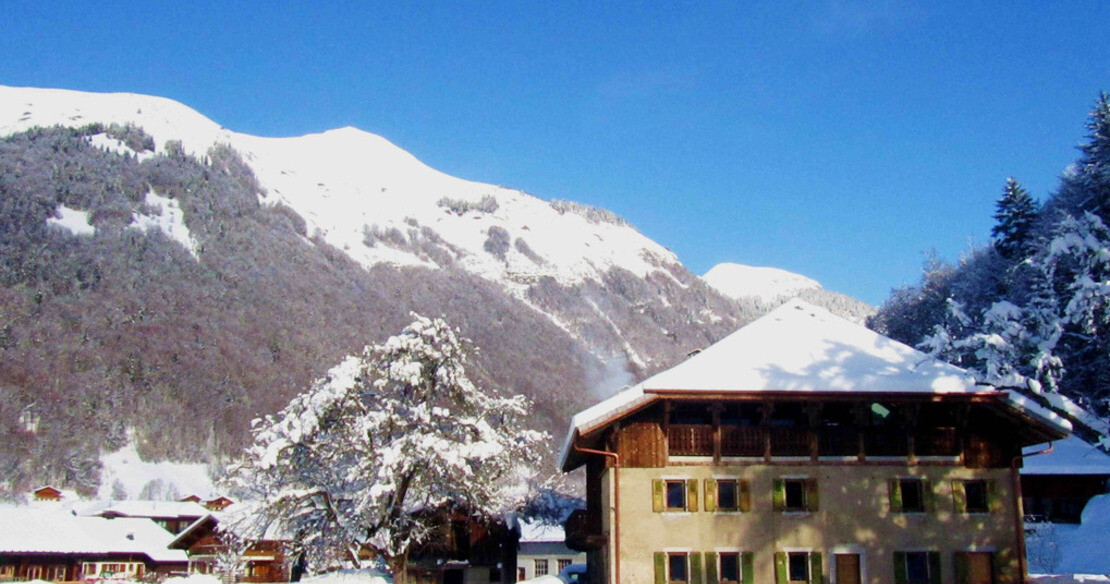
56,545
173,516
47,494
544,551
262,560
1056,485
805,448
466,550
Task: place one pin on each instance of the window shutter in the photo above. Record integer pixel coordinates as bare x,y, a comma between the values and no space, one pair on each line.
816,574
695,567
994,503
747,567
657,495
927,496
963,569
899,567
959,497
934,567
745,494
811,495
710,494
780,568
660,568
778,495
894,493
692,495
711,568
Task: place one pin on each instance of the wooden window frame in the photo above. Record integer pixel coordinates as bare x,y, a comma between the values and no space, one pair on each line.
536,571
685,556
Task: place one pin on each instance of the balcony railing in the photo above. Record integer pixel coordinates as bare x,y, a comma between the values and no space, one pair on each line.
885,442
838,441
741,441
690,439
937,442
789,441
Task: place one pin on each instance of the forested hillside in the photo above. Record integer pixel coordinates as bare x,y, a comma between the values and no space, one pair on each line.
1030,311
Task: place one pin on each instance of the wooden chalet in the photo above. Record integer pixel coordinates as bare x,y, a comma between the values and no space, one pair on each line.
1057,485
467,550
262,560
47,494
805,448
173,516
55,545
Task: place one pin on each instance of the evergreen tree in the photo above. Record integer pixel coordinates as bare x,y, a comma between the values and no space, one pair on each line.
1086,185
1015,214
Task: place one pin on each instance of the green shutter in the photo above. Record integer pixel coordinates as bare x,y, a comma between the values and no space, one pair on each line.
816,574
899,567
744,489
934,567
927,496
747,567
711,568
959,497
778,495
780,568
894,493
660,568
811,495
657,495
994,503
695,566
710,495
963,568
692,495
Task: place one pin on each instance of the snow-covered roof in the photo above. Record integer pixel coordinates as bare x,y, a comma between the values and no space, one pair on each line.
797,347
537,532
1070,456
155,509
46,531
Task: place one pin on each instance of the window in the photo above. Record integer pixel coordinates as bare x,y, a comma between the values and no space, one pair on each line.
908,495
797,565
975,497
729,565
728,495
795,495
563,563
916,567
521,574
541,568
676,568
676,496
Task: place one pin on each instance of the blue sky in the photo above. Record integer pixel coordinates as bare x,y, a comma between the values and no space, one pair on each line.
842,140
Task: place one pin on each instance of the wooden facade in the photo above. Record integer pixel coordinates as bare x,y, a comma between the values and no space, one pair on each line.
464,549
262,561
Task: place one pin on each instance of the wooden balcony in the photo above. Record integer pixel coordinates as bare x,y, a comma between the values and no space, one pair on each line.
838,441
885,442
690,440
937,442
741,441
789,441
583,531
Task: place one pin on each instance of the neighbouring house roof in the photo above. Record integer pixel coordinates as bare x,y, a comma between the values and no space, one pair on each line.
155,509
1070,456
802,348
536,532
60,532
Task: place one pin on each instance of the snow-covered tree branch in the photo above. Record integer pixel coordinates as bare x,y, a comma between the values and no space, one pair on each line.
388,438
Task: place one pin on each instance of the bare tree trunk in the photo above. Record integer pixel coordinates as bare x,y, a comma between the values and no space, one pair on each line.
399,565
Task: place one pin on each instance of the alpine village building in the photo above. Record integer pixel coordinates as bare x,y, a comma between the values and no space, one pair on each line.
805,448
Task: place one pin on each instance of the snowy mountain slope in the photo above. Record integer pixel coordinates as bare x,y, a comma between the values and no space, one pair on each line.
740,281
348,185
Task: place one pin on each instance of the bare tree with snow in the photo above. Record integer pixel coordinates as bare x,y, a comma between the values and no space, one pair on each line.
387,439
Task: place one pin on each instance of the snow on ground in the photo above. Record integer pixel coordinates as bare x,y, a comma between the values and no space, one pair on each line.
767,284
1082,548
116,146
367,576
75,221
127,468
1066,578
166,216
543,580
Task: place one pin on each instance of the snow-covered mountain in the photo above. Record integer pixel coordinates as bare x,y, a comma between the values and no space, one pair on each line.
176,279
767,284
